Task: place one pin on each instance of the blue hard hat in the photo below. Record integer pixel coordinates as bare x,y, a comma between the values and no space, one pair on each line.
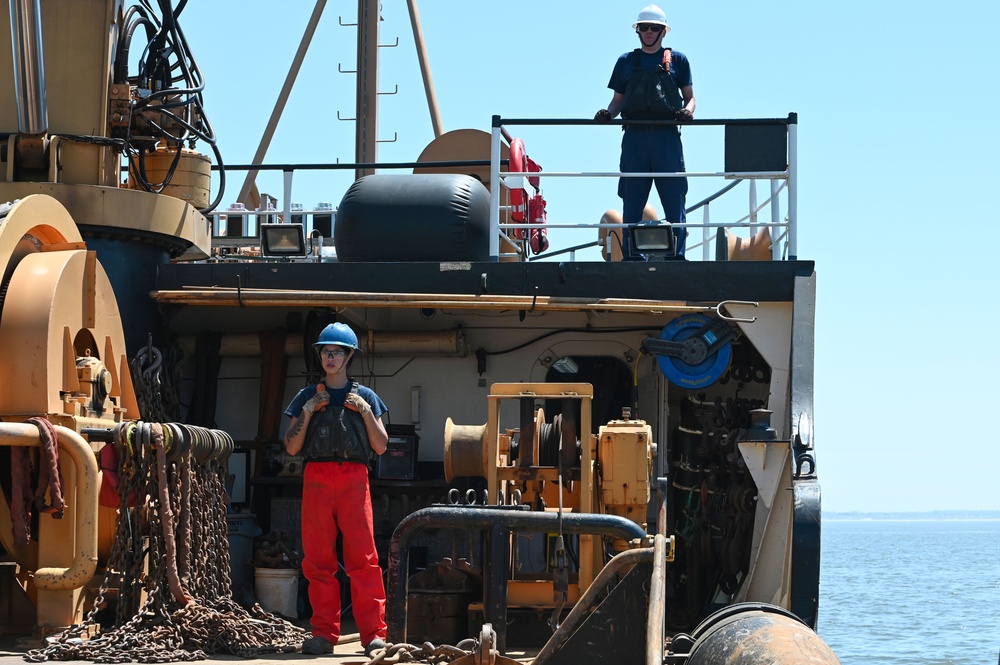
339,334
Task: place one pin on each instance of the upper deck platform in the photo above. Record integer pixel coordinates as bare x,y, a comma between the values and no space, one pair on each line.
510,273
539,284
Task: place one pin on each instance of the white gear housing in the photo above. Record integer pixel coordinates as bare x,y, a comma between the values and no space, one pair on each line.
652,14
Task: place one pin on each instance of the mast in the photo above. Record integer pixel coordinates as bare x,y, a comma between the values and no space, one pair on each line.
366,126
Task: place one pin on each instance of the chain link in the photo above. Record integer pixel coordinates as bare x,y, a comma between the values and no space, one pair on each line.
423,653
151,624
155,384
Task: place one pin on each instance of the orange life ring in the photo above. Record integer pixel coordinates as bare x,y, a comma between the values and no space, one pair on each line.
518,197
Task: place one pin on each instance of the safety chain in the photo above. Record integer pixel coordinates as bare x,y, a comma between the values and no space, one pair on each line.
155,382
170,560
423,653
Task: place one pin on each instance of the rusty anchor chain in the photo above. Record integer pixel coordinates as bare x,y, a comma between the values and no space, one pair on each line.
170,559
472,651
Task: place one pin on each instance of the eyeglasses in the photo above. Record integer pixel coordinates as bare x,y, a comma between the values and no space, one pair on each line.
335,353
649,27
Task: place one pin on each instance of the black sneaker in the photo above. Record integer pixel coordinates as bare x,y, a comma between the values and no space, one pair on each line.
371,647
317,646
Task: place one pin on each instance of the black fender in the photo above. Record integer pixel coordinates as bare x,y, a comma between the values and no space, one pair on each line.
804,599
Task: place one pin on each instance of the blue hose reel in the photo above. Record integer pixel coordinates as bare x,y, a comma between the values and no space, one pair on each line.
693,351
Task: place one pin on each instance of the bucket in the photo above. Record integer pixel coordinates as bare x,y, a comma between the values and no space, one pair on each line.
278,590
242,529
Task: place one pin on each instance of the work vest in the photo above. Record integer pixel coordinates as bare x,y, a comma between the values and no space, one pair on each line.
337,434
650,95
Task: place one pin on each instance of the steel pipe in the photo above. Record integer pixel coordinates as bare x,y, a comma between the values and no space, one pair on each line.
585,606
657,602
425,68
84,564
504,520
793,187
29,66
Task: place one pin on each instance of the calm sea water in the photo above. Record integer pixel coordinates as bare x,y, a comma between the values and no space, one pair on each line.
895,592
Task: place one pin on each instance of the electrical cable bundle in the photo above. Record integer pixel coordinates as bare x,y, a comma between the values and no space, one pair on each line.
169,106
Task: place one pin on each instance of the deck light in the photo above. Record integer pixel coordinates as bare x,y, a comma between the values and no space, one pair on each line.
282,240
654,239
566,365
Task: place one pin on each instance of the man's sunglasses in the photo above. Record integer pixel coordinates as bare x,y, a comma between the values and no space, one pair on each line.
649,27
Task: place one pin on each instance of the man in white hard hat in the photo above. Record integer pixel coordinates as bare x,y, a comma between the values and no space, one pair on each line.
651,83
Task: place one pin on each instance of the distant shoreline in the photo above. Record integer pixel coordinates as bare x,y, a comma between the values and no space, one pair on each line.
936,515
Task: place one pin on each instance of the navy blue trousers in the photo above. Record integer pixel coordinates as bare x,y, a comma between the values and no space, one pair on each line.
649,150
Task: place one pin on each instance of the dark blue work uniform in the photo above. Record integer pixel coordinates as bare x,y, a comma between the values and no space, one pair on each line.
652,149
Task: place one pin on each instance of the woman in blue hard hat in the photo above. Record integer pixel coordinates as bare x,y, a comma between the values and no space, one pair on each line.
336,425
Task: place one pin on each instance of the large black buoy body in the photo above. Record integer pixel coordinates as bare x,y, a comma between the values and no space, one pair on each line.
414,217
757,634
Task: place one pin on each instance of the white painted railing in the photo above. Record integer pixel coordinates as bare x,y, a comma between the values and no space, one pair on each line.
778,145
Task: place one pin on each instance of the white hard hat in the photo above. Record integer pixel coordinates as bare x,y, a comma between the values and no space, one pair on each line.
652,14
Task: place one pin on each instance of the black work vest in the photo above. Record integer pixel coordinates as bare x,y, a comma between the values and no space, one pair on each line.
337,434
650,95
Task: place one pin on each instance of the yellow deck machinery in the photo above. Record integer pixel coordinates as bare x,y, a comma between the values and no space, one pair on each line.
63,358
141,533
553,493
578,503
64,352
85,532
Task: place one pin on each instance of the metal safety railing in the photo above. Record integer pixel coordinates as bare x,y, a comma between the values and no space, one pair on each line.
239,226
756,149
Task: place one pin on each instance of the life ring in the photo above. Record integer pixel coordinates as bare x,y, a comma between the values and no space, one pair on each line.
518,197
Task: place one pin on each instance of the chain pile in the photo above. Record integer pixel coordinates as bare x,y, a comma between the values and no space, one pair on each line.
170,560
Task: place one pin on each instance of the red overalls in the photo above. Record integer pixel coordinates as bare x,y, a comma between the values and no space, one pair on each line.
335,499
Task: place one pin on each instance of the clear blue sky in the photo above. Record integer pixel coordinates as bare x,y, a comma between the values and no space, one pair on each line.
898,163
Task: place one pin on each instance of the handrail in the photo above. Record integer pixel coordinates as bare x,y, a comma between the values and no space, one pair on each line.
787,224
750,215
713,197
289,169
657,602
84,564
348,166
789,121
502,520
789,175
565,250
620,564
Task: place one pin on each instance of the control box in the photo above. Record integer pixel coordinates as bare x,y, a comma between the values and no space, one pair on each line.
399,461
